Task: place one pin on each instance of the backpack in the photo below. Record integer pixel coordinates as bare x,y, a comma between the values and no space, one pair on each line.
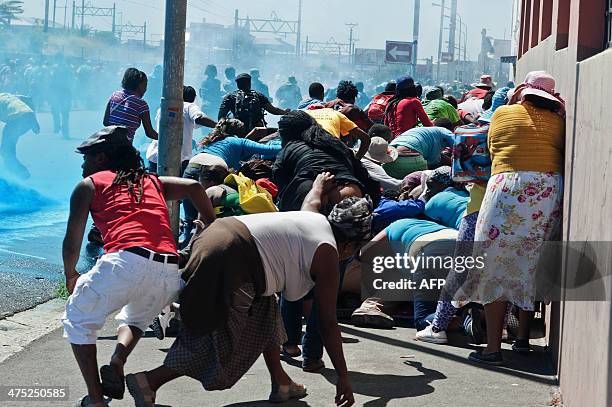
248,108
378,105
471,161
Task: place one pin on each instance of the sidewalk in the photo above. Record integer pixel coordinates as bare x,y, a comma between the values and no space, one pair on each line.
387,368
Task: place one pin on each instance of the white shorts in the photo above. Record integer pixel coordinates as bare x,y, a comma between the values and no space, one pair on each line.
140,287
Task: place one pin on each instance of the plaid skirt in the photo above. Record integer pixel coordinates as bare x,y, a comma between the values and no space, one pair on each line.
219,359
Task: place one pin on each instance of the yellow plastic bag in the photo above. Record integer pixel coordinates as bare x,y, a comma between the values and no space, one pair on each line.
253,198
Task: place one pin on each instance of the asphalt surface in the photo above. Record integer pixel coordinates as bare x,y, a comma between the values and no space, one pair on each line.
387,368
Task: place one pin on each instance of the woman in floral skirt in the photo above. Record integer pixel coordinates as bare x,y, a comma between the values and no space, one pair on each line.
521,208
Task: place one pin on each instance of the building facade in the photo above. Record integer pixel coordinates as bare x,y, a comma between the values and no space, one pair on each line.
570,40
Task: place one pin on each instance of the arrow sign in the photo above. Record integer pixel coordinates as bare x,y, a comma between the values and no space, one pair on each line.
399,52
395,52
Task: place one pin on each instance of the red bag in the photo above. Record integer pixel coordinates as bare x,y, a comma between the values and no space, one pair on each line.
378,105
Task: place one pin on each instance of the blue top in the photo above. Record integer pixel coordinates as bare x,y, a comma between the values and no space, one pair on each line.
429,141
234,149
448,207
389,211
407,231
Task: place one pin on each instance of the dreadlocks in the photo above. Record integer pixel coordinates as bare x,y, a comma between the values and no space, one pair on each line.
299,126
224,128
129,166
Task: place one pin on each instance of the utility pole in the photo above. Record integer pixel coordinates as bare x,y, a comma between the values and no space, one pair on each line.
453,28
65,12
46,16
171,123
351,43
114,18
82,17
298,42
440,39
415,30
54,8
73,13
144,35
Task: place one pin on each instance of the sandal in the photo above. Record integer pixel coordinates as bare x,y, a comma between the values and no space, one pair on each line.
113,385
283,393
292,351
86,399
138,386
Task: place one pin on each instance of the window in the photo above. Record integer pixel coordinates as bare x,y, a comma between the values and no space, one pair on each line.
563,22
609,24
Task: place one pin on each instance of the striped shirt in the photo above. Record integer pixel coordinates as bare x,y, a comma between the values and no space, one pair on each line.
126,109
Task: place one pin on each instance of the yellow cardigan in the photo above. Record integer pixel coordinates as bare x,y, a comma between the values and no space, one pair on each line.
523,137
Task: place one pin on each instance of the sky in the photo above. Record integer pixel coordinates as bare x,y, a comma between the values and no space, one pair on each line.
377,21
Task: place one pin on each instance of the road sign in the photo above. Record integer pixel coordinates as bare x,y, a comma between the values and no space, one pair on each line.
368,56
447,57
508,60
399,52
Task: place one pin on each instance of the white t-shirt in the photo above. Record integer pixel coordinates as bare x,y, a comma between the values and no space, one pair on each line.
377,173
287,242
191,112
472,106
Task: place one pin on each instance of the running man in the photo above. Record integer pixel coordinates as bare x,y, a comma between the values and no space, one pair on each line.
138,272
19,118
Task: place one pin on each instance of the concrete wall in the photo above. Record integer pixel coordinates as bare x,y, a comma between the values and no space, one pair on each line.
580,331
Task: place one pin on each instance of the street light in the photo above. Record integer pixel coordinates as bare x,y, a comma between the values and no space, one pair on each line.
442,7
461,24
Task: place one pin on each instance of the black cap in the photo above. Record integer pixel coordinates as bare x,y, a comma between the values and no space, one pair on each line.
111,136
243,76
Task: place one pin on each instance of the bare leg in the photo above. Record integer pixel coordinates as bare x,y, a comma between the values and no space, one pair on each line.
127,338
160,376
85,356
277,373
494,314
524,324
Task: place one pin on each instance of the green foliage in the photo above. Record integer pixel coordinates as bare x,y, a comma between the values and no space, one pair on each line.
9,9
62,291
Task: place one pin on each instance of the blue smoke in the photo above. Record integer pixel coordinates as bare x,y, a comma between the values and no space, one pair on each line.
16,198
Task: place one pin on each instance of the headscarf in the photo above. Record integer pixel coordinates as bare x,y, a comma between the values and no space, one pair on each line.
442,176
411,181
353,217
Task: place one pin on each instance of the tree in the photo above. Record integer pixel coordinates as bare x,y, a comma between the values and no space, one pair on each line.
9,11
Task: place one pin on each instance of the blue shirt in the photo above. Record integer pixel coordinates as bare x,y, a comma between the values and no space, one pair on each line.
448,207
429,141
407,231
234,149
389,211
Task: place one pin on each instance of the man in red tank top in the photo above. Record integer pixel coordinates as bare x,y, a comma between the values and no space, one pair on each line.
138,272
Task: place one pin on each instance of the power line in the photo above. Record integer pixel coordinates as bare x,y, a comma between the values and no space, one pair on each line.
200,8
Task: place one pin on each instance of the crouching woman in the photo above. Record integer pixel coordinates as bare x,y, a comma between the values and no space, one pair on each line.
229,307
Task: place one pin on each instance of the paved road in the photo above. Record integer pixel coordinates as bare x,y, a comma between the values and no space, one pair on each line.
387,368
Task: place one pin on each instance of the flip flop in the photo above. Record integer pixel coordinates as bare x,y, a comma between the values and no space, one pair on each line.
86,399
113,385
281,394
138,386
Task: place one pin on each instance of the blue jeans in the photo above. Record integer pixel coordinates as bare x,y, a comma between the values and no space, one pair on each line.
424,312
291,311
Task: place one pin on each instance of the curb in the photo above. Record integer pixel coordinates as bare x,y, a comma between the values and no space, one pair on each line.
21,329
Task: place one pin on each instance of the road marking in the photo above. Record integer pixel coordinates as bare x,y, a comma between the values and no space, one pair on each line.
23,254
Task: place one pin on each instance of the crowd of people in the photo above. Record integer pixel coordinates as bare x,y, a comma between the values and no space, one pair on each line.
279,222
